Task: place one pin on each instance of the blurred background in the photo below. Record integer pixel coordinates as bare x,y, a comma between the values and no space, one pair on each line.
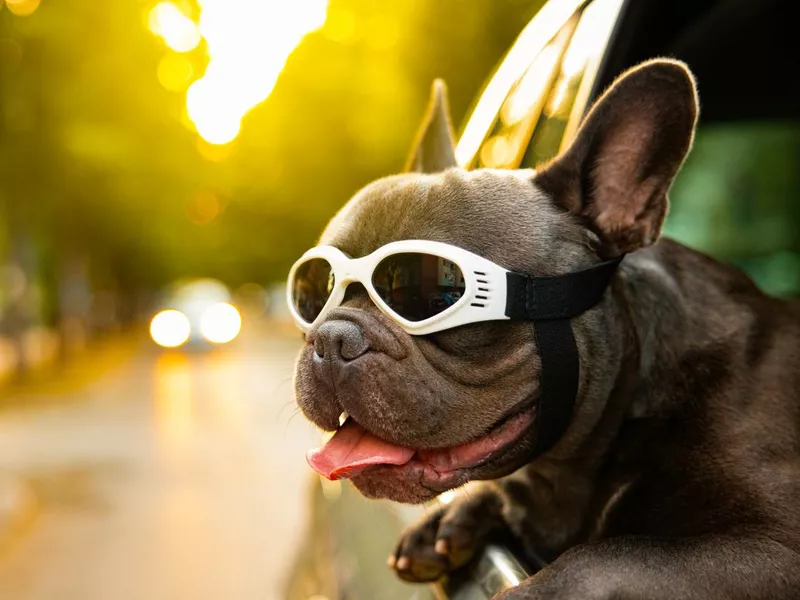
117,175
179,156
162,164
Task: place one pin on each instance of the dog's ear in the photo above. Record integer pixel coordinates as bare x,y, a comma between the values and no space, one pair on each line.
434,149
617,172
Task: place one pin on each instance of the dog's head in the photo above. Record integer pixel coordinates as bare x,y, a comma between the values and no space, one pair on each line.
436,411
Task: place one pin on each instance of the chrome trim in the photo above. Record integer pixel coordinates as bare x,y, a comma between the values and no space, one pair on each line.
496,570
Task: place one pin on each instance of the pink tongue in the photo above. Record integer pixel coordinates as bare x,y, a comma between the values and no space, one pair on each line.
351,450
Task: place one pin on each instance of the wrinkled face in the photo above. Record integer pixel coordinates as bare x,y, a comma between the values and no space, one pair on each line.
461,399
428,413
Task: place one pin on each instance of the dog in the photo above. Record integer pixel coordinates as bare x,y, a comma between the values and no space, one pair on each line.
677,474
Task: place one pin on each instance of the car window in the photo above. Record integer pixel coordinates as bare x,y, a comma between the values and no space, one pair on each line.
548,98
534,57
568,96
736,199
507,141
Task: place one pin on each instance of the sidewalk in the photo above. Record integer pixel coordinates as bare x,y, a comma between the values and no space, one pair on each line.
18,510
54,381
49,382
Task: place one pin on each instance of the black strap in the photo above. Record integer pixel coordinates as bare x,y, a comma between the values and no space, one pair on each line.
559,296
550,302
558,381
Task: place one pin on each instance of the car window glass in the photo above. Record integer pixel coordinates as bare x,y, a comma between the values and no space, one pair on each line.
507,140
736,199
569,90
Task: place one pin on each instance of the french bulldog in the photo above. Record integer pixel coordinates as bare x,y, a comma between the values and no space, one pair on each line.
678,475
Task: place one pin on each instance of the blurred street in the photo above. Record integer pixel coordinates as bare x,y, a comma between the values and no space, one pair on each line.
169,475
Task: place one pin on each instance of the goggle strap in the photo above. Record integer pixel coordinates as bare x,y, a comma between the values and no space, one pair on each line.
550,302
558,381
558,296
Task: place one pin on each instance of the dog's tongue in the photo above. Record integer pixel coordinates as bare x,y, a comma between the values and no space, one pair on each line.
351,450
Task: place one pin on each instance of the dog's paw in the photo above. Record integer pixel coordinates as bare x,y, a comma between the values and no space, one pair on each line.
447,538
417,557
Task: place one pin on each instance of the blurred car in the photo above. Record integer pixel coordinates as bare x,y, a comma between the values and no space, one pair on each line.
745,56
197,314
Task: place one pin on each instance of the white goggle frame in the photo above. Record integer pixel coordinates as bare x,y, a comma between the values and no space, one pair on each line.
484,298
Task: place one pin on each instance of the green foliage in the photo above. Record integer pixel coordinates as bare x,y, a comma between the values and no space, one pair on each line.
736,199
97,164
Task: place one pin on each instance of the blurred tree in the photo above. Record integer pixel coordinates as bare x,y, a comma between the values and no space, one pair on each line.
345,111
736,199
98,168
90,154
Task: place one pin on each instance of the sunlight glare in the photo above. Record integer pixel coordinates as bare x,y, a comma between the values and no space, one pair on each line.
248,44
530,87
22,8
177,30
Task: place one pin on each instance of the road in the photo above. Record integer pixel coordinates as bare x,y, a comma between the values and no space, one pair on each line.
169,476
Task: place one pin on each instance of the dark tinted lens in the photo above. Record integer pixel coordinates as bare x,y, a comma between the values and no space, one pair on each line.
311,288
418,286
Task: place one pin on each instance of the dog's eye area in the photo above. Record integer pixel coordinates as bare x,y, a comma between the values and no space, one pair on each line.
417,285
311,288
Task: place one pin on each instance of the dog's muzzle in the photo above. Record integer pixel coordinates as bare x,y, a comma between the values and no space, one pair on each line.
340,341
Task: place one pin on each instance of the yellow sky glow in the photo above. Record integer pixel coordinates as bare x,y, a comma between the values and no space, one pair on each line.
248,42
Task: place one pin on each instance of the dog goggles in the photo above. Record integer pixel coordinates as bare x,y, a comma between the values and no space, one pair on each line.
427,286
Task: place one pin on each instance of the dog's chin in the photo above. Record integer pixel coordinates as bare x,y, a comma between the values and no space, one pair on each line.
432,472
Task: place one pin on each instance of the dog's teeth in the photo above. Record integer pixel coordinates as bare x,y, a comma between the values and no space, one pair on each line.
343,418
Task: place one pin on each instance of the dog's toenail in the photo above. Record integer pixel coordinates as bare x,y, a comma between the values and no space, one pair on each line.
403,563
442,547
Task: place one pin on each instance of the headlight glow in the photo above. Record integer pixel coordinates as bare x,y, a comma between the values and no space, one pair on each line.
170,328
221,323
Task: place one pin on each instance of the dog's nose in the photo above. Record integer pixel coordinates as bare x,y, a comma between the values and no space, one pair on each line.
340,340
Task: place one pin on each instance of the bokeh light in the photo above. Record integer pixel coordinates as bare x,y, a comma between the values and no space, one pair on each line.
22,8
170,328
248,43
175,72
177,30
221,323
203,207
